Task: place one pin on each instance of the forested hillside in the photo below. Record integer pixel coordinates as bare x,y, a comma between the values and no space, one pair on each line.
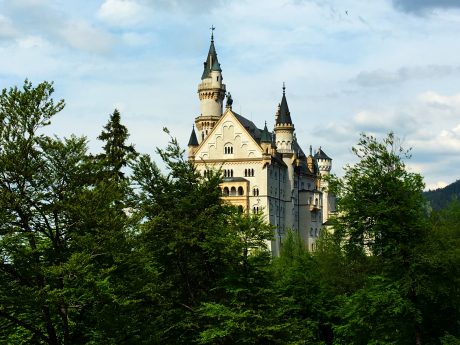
441,197
94,253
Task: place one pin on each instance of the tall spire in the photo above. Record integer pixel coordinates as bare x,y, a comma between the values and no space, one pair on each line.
284,116
211,62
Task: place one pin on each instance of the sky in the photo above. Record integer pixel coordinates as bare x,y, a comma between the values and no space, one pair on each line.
350,67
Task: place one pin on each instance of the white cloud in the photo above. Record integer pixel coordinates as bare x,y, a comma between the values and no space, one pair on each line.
84,36
7,29
122,12
437,100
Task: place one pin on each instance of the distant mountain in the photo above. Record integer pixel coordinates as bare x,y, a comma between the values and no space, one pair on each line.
439,198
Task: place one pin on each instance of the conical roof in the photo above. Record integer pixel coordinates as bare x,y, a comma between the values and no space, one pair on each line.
321,155
284,116
193,141
211,62
265,137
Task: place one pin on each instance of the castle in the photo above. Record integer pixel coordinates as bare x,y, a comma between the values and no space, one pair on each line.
263,171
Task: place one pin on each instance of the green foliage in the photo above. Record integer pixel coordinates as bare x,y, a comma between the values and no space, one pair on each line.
89,255
380,207
117,154
65,253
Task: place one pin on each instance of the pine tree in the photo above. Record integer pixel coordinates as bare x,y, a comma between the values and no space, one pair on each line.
117,154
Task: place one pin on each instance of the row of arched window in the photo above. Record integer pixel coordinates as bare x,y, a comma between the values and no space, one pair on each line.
228,172
255,209
232,191
228,150
248,172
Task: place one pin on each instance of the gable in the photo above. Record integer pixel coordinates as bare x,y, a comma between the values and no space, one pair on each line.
229,139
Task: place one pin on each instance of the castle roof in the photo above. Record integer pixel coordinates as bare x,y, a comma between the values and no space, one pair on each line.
284,116
252,129
193,141
265,136
321,155
211,63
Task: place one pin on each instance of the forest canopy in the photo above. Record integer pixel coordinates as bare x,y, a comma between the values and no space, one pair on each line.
108,249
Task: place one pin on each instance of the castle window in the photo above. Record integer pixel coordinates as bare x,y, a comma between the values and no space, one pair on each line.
233,191
225,191
240,191
228,149
217,78
245,172
255,191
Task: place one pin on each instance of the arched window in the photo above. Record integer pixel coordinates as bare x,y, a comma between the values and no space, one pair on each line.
228,149
225,173
225,192
240,191
252,172
233,191
245,172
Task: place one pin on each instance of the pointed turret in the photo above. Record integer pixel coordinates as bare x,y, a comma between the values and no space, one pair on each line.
324,162
265,137
192,143
284,116
284,128
211,60
211,92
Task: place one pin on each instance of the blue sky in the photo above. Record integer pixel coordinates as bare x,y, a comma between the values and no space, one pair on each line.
350,66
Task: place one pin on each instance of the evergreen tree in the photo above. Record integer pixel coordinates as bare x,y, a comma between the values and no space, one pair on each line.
117,154
68,273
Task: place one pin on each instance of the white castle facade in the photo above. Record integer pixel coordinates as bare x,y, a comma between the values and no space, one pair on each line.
263,172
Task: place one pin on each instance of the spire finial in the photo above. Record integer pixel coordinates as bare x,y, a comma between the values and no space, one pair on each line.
284,88
311,151
212,28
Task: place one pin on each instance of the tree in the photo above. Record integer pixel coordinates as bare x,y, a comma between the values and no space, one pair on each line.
117,154
382,220
68,273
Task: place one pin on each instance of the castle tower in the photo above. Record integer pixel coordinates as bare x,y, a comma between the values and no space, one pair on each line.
324,166
211,92
284,128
